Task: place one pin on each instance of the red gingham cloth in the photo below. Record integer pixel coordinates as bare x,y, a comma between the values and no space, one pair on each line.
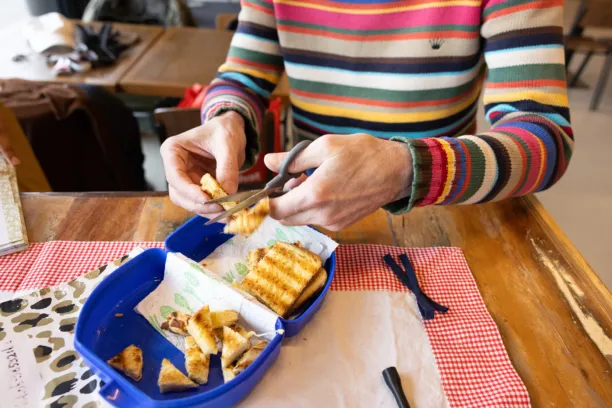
51,263
474,367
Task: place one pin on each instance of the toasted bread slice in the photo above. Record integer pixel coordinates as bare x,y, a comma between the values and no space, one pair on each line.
248,220
228,373
129,362
316,284
281,276
242,331
214,190
176,322
172,380
234,344
255,256
250,356
200,327
196,362
223,318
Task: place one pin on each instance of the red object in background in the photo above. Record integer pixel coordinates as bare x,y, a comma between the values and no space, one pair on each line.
259,173
194,97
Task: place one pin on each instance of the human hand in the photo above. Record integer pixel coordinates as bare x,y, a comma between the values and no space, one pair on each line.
6,147
216,147
355,175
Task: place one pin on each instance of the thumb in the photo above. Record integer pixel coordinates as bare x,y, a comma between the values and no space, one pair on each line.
312,157
227,170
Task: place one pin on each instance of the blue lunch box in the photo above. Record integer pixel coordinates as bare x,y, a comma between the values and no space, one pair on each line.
99,335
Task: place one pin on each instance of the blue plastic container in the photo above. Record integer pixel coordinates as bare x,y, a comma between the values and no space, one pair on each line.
196,241
99,335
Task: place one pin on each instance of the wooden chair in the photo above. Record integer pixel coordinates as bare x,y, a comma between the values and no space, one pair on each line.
591,14
223,19
178,120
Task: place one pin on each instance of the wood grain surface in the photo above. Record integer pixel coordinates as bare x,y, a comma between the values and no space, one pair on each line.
181,57
35,67
553,312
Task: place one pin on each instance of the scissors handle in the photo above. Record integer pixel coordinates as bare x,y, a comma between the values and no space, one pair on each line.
283,173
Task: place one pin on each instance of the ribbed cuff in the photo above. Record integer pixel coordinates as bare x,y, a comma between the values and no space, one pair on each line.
421,176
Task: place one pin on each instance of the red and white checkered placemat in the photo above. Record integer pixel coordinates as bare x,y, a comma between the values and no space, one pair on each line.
474,367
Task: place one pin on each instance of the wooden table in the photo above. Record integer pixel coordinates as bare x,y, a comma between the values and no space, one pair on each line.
553,312
35,67
181,57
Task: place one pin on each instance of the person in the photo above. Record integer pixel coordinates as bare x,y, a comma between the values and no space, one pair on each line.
389,92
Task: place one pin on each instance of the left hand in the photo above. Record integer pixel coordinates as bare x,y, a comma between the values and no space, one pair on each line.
356,175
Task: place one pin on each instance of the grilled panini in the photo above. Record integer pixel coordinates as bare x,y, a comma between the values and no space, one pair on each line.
228,373
176,322
234,344
313,287
171,379
248,220
242,331
129,362
250,356
223,318
200,327
196,362
214,190
281,276
255,256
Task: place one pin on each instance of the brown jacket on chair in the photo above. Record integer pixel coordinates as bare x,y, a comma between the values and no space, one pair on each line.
84,138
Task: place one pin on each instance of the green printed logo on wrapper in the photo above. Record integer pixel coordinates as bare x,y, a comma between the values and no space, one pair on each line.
182,302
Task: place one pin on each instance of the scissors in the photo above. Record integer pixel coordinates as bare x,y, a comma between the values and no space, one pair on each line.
248,198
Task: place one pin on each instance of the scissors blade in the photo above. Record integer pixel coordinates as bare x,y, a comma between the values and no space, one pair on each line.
246,203
233,197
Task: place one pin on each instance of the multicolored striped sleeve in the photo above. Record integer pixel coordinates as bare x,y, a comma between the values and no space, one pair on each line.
250,73
530,141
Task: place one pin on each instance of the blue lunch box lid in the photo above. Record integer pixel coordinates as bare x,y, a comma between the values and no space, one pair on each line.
196,241
99,336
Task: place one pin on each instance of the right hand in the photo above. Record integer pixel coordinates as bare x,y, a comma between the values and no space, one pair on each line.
216,147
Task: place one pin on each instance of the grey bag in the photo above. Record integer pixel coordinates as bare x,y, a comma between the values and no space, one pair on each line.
152,12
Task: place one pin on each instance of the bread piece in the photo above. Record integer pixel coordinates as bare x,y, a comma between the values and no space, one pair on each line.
250,356
316,284
248,220
176,322
129,362
242,331
281,276
214,190
228,373
200,327
172,380
223,318
234,344
196,362
255,256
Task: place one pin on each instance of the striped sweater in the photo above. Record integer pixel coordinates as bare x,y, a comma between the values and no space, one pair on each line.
413,71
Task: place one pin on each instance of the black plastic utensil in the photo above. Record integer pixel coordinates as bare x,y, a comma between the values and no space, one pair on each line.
394,382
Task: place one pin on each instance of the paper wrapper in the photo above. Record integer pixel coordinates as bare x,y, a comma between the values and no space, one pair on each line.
230,259
187,285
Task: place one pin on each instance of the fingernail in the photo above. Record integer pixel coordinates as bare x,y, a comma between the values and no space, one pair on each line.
15,160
